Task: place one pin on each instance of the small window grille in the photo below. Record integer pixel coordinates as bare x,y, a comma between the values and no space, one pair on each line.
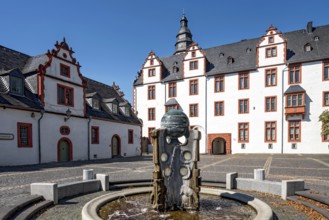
293,146
270,146
243,146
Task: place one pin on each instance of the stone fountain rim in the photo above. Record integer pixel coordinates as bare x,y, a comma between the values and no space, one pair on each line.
90,209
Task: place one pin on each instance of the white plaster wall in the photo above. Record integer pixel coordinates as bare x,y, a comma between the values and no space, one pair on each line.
311,140
156,65
107,130
10,153
54,70
279,59
50,136
51,97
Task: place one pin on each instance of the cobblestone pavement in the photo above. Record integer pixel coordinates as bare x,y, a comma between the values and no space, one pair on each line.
314,169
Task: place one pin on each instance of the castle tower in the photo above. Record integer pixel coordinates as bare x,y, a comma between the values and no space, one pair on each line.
184,37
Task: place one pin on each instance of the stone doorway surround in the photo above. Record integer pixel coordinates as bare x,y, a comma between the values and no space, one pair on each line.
225,136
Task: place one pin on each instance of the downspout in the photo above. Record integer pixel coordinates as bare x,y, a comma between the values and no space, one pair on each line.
206,115
42,111
88,130
282,106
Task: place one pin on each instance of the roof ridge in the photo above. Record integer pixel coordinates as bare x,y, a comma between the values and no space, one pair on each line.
15,51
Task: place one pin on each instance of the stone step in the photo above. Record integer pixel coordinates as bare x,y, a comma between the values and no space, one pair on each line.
8,211
323,198
322,211
213,184
126,185
33,210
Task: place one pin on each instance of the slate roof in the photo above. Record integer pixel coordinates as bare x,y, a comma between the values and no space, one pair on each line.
294,89
244,54
10,59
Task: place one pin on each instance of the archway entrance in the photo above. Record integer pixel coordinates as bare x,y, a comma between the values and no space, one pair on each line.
218,146
116,146
64,150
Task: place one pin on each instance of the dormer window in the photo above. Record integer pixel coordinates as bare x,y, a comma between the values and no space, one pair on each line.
248,50
16,85
307,47
64,70
316,38
96,104
230,60
221,55
127,111
115,108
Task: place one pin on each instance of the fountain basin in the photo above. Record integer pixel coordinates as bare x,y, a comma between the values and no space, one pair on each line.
90,210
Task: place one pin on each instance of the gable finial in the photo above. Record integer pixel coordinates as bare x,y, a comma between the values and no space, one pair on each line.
183,11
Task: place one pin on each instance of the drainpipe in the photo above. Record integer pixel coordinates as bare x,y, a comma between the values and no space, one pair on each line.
282,106
88,130
206,116
42,111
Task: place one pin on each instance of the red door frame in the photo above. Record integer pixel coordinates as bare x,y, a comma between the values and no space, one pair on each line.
70,148
119,144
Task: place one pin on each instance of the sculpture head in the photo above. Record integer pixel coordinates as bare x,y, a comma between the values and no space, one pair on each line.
176,122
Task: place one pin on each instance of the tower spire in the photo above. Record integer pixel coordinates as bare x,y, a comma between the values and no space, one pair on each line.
184,36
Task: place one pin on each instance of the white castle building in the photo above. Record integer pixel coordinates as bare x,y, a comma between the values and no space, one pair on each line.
49,112
260,95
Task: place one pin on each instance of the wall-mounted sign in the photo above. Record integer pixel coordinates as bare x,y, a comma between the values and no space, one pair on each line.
4,136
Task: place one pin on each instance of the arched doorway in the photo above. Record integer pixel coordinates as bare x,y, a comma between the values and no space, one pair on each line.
116,146
64,150
218,146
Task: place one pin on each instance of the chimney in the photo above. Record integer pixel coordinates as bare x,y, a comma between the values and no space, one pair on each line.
309,27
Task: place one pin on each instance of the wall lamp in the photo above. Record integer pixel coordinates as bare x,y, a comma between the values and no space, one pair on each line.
68,115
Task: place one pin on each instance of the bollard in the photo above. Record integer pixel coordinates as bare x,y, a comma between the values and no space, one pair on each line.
259,174
88,174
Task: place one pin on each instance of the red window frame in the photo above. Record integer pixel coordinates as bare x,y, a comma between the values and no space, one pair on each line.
243,127
151,62
325,98
65,70
130,136
270,126
66,101
194,87
193,54
294,71
151,114
194,65
194,110
273,52
269,73
272,101
295,126
290,99
172,89
244,81
271,40
219,84
169,107
64,130
94,134
325,74
243,110
218,106
151,92
151,72
27,140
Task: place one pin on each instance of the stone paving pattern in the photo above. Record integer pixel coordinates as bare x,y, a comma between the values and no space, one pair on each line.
15,181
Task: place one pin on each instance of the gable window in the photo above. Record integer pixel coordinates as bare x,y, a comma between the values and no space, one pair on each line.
294,100
295,74
65,95
172,89
243,132
270,40
151,72
94,135
270,77
193,87
193,110
325,71
170,107
130,136
151,114
151,62
270,104
24,135
270,131
243,106
270,52
325,98
219,108
219,84
243,80
16,85
193,54
64,70
193,65
294,131
151,92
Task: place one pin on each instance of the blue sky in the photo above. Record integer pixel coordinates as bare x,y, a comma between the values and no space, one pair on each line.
111,38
